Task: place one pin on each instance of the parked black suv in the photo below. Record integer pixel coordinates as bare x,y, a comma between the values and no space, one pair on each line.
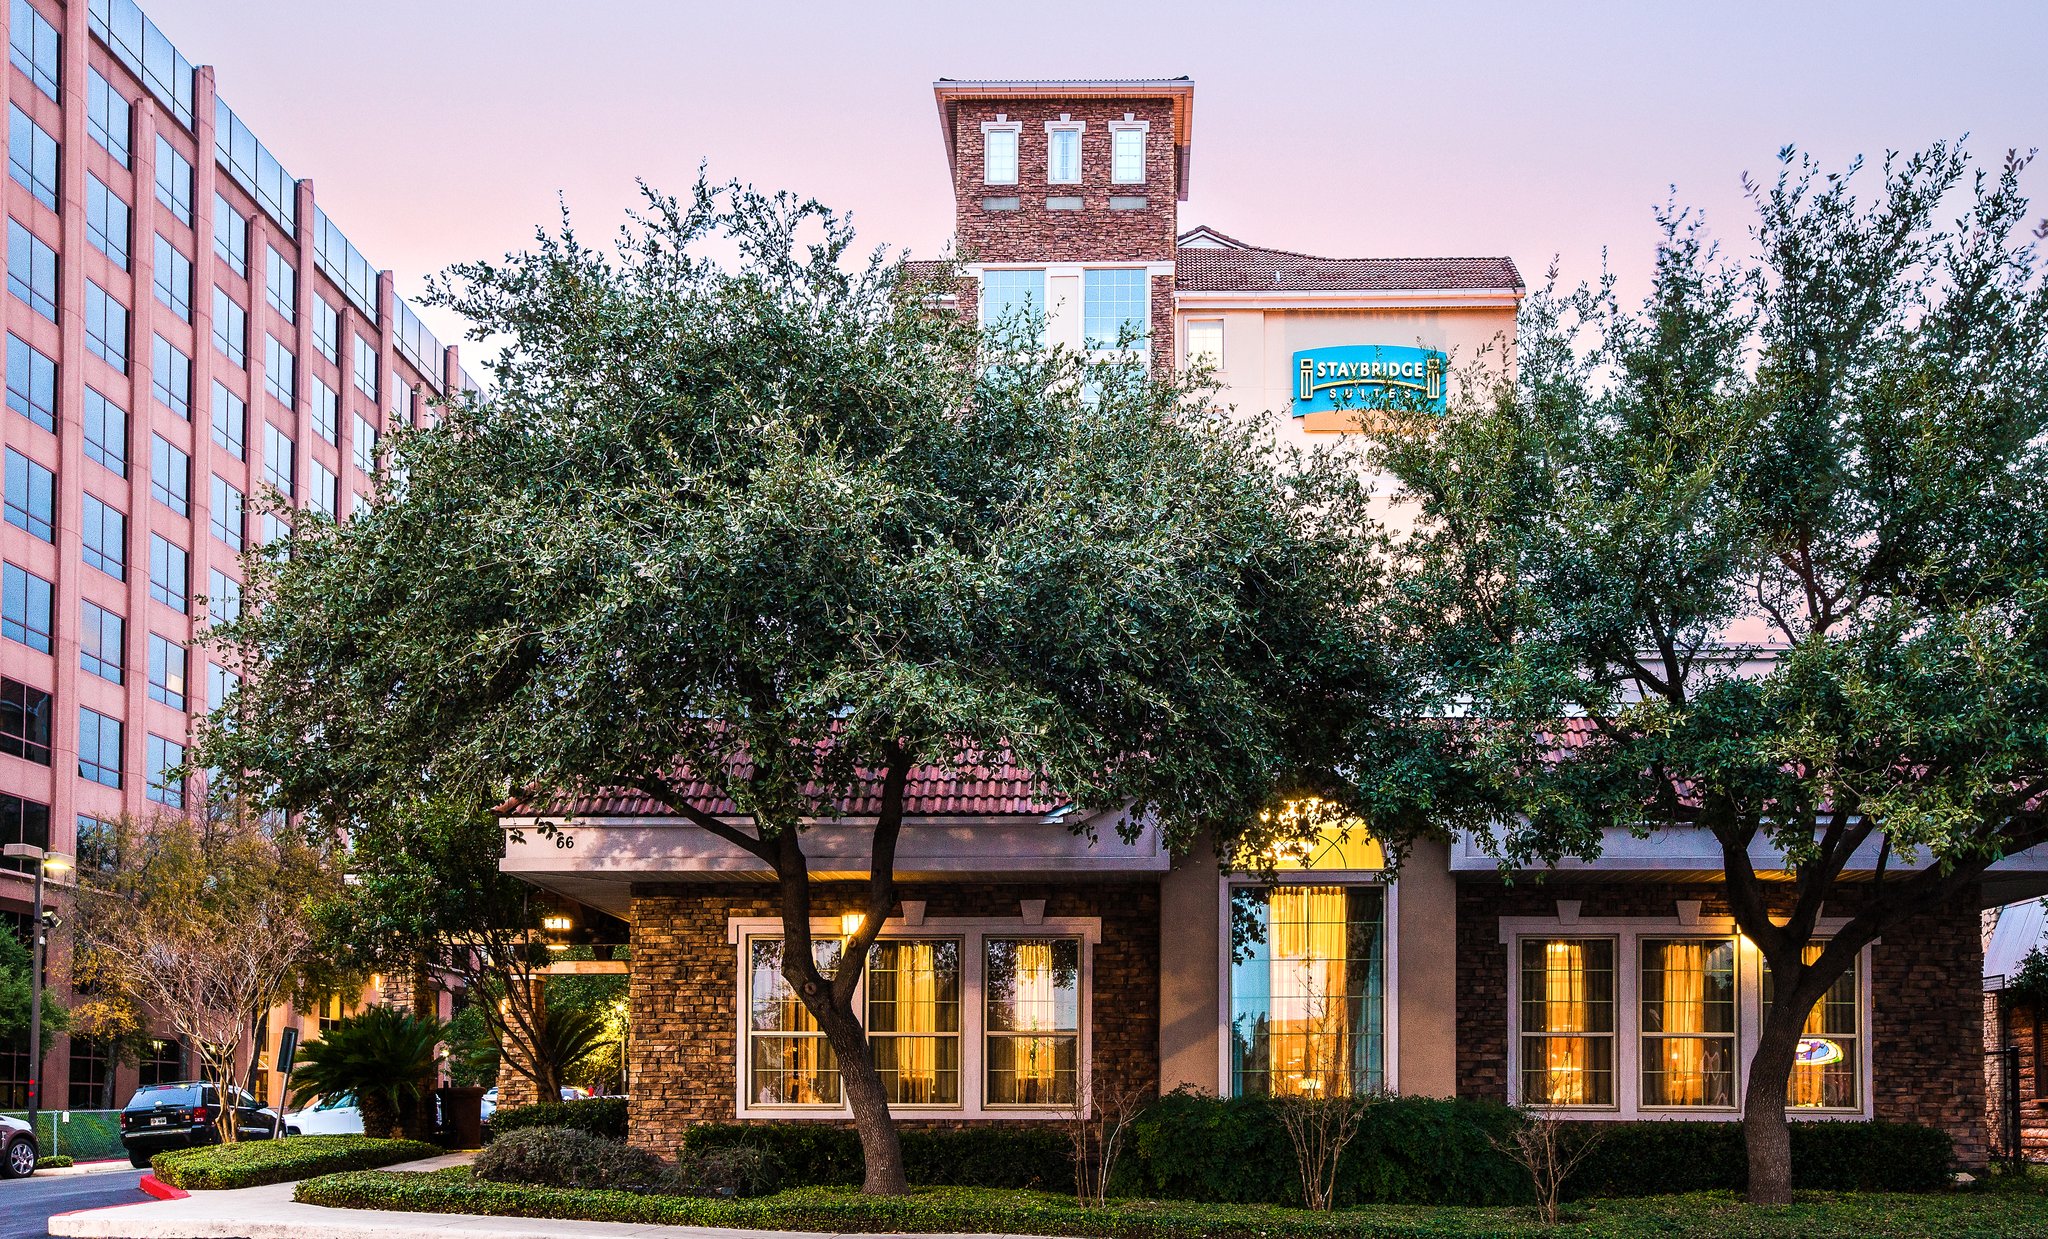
181,1115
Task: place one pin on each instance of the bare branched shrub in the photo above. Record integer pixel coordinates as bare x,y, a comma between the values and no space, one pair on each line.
1097,1123
1548,1149
1322,1113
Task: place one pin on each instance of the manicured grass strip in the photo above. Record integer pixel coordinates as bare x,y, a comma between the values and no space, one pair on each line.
252,1163
989,1211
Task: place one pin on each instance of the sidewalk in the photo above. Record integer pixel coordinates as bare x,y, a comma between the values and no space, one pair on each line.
271,1213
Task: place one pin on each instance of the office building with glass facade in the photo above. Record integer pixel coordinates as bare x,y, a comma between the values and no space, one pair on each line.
186,331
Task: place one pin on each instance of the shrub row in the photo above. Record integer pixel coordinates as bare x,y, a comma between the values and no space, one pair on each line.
600,1116
821,1155
1409,1150
252,1163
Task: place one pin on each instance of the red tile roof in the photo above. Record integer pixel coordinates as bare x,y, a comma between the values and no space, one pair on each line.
998,788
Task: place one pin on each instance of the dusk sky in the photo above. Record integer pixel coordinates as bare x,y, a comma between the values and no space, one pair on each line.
439,130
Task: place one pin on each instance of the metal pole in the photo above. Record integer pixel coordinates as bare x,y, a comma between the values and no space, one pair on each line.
35,1011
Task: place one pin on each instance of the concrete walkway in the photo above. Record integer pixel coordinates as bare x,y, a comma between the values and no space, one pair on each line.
271,1213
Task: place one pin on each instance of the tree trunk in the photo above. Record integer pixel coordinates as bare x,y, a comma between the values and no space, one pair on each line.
880,1148
1764,1128
380,1118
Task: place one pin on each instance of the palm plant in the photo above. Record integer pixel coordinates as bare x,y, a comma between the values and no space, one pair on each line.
382,1055
572,1036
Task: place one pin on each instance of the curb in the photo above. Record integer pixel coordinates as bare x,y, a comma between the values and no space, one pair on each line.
160,1189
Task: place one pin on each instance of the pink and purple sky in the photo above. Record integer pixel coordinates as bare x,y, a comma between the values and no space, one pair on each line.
441,130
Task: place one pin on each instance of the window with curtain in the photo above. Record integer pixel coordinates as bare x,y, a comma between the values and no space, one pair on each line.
1308,1002
913,1020
1826,1070
1687,998
1033,1026
789,1062
1567,1022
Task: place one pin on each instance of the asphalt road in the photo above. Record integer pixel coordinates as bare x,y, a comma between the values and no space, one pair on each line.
26,1204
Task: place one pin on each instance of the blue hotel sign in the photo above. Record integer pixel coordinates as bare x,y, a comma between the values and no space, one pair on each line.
1349,377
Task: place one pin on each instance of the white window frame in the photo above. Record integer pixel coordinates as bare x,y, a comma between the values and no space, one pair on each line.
1144,350
1390,963
1015,129
1628,934
1063,125
972,933
1187,357
1117,128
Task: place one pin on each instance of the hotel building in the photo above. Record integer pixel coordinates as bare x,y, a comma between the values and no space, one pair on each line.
1025,953
186,330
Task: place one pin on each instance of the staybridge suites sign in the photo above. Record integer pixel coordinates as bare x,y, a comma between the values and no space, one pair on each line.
1348,378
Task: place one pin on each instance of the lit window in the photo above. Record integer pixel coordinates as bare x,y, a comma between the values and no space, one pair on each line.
1567,1023
789,1062
1687,1004
31,383
1204,342
1308,1001
913,1004
1115,307
1032,1032
1827,1066
1127,154
32,157
999,153
1062,153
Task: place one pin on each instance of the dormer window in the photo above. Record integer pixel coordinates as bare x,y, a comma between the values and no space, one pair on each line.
999,151
1063,151
1127,150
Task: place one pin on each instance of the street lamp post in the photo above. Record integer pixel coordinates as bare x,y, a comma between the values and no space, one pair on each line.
47,862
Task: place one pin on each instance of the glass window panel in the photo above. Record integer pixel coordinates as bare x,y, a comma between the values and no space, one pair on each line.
99,747
106,221
31,383
106,327
31,501
170,475
171,378
999,157
1013,297
31,270
25,601
789,1061
1687,1013
101,642
1827,1071
32,45
32,158
913,1019
25,722
1567,1022
162,758
104,544
230,235
1128,159
1063,156
1308,1002
173,180
173,278
106,432
108,116
1032,1022
1115,303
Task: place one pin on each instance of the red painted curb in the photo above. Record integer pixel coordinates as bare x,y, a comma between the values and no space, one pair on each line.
160,1189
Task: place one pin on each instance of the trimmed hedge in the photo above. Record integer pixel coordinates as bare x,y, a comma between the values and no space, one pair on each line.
972,1210
1409,1150
1640,1159
252,1163
600,1116
820,1155
58,1162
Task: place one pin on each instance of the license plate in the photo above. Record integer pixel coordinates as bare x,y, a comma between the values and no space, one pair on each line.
160,1121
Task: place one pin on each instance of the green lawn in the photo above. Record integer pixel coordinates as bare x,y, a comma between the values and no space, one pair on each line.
1999,1208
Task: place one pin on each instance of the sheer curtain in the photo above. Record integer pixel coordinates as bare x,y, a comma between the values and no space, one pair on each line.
1684,1011
1565,1011
1035,1013
1309,1041
917,1011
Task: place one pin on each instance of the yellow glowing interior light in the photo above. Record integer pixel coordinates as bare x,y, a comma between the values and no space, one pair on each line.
850,923
56,862
557,924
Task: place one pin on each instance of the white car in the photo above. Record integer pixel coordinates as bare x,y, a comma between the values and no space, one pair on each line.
330,1116
19,1158
569,1093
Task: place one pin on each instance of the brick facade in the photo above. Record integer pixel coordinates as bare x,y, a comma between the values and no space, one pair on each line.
1926,1018
2026,1029
685,989
1095,233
